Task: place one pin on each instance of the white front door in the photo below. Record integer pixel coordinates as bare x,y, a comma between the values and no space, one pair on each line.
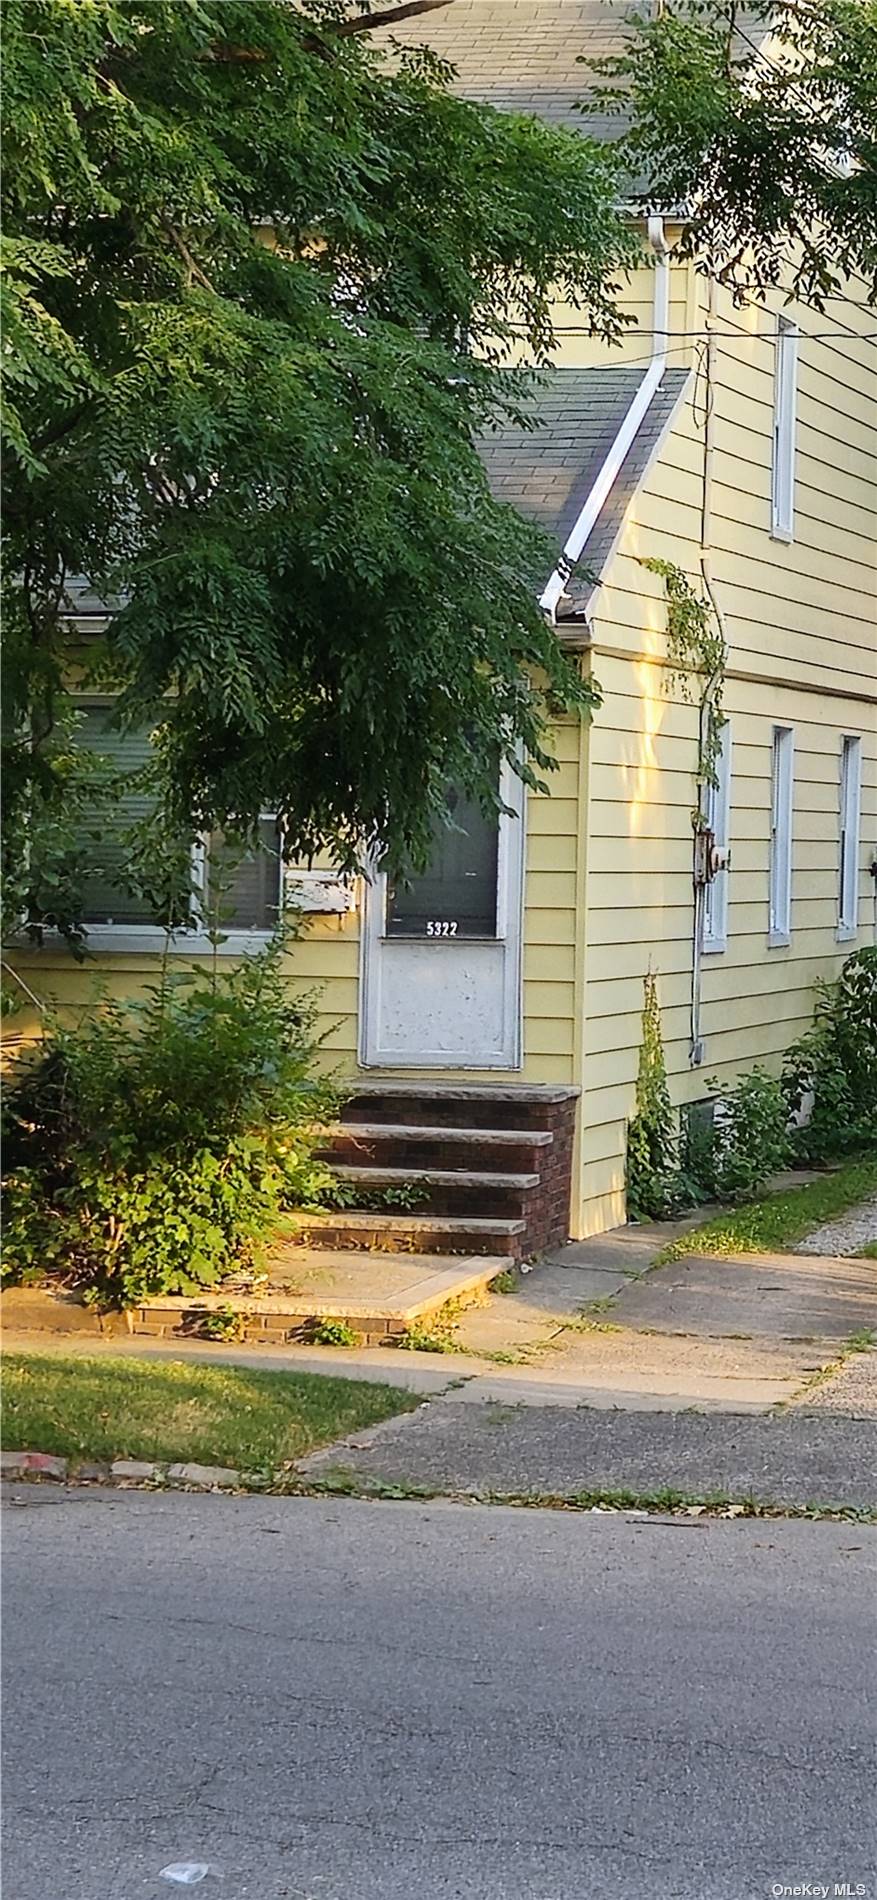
441,952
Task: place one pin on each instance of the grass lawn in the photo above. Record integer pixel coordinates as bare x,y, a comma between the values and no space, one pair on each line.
100,1409
778,1221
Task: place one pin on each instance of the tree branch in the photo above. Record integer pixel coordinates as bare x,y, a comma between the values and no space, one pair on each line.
62,427
230,54
194,273
367,22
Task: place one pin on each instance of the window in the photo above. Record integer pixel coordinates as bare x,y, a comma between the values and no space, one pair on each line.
780,924
456,896
850,804
715,900
238,887
784,402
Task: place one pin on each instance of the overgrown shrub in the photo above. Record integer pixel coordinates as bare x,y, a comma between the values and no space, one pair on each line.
832,1070
655,1188
750,1139
151,1146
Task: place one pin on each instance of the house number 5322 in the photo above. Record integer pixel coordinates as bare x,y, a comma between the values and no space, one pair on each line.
441,930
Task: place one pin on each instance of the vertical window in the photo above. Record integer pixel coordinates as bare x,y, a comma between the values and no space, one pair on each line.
715,906
780,925
850,805
457,894
240,885
784,403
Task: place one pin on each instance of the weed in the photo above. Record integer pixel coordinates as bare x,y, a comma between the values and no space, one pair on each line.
505,1281
862,1341
776,1221
332,1332
224,1323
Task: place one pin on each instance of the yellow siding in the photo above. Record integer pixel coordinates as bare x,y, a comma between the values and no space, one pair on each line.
326,959
608,881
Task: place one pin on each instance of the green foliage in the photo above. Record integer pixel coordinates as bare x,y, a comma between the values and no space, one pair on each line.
224,1323
696,650
421,1337
835,1064
730,1156
254,1421
403,1197
332,1332
653,1183
777,1221
750,142
750,1139
151,1146
259,441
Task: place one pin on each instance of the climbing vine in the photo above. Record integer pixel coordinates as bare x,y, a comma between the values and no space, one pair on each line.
652,1154
697,656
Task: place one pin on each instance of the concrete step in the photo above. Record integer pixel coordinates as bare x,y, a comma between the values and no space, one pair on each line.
420,1131
413,1233
447,1190
416,1146
377,1295
474,1104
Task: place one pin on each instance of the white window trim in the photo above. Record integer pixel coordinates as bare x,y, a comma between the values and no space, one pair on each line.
782,483
850,814
781,814
715,909
146,939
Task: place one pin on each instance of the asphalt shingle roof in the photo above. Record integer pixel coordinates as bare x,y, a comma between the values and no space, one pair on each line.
548,472
521,55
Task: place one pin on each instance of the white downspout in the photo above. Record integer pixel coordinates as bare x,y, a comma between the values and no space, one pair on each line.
602,487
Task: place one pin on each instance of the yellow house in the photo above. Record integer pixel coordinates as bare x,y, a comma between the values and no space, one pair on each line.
739,444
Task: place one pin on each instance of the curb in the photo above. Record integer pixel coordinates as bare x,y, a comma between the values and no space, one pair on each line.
40,1464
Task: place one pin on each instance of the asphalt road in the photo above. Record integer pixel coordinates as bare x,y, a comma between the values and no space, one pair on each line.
356,1701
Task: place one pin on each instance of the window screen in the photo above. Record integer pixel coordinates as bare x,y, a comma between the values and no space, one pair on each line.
785,397
243,894
850,820
244,883
105,899
780,916
456,896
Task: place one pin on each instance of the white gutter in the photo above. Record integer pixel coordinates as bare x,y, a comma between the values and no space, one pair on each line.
642,400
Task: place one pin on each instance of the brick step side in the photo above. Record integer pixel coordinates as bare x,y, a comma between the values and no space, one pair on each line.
414,1233
514,1139
378,1314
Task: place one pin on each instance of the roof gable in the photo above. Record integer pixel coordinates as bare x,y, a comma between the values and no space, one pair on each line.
547,472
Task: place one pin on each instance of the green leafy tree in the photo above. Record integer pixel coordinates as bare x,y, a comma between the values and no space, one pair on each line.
770,144
257,286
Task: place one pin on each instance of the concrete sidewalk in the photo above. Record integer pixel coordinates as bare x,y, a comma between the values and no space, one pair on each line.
792,1460
595,1324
